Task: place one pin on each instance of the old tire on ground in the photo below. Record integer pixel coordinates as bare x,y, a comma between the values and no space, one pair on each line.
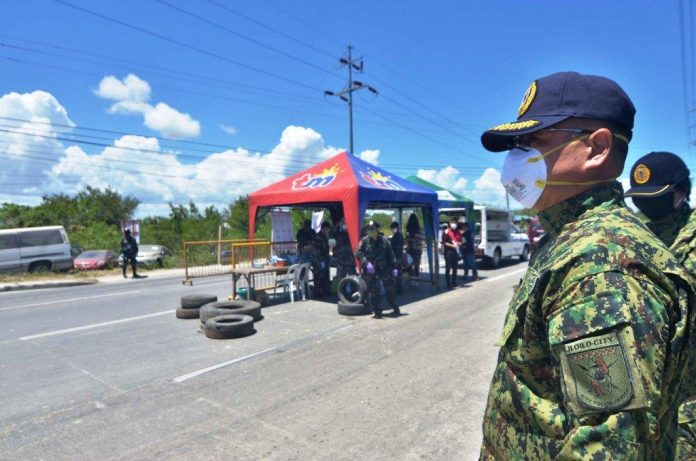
212,310
188,313
196,301
357,287
229,326
352,309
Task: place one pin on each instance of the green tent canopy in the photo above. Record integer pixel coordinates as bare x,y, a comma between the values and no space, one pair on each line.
446,198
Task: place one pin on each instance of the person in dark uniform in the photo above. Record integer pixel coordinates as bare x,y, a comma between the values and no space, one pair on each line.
377,259
343,252
129,250
414,242
468,255
320,266
397,244
452,244
305,242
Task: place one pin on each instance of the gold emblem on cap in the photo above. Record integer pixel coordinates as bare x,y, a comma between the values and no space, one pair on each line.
528,99
641,174
515,126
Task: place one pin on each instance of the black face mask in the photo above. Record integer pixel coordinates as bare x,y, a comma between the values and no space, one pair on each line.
655,208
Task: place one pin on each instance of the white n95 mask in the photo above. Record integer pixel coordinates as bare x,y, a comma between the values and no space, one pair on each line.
525,175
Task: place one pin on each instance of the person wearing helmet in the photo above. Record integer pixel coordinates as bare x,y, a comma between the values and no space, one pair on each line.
378,264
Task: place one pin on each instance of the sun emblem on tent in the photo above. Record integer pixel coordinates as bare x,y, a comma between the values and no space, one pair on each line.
317,180
380,180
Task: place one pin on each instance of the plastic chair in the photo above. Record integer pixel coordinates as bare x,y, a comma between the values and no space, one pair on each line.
288,282
302,279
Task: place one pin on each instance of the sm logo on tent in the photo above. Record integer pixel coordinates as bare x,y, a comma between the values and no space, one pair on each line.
377,179
316,180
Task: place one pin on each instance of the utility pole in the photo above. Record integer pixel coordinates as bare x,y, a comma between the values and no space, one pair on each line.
346,94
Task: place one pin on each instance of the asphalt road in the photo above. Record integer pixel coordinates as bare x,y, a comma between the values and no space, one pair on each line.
107,372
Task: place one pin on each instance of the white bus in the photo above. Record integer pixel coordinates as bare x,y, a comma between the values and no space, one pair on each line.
35,249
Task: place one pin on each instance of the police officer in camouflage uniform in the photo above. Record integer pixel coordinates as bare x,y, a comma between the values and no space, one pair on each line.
594,347
377,259
661,188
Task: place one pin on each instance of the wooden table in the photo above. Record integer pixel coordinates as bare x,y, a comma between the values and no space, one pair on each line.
249,274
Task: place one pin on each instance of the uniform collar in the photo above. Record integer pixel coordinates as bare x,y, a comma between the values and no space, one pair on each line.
669,226
554,218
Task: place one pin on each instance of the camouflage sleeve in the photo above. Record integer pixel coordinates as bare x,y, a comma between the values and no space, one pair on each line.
609,335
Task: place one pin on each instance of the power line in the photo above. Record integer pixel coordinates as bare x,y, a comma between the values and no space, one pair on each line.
273,29
184,45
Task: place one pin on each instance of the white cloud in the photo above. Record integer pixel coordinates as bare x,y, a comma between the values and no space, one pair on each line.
370,156
171,123
448,177
131,88
229,129
488,189
131,95
26,152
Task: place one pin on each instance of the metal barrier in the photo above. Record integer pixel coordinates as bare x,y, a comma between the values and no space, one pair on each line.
218,257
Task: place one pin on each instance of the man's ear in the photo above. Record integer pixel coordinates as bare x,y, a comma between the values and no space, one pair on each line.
599,149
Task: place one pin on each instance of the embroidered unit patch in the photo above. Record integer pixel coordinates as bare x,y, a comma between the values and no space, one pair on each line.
600,372
641,174
528,99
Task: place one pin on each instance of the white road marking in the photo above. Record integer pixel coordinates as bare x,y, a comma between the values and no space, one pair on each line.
498,277
69,300
194,374
95,325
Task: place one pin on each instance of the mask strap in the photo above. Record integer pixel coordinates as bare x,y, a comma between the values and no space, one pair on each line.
546,154
540,184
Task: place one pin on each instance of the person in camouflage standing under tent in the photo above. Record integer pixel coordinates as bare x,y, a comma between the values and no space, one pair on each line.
343,252
377,259
661,188
594,353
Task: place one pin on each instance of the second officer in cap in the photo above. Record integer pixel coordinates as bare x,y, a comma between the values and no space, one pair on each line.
660,188
377,259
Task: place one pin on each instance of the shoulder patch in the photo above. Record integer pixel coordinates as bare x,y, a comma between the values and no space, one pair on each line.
599,374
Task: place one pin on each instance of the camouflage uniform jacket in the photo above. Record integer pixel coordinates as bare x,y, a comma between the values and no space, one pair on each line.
593,350
379,252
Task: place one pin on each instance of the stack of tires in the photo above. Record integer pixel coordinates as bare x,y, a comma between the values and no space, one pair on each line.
352,294
230,319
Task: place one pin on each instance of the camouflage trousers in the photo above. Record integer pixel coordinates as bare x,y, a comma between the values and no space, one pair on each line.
373,296
686,438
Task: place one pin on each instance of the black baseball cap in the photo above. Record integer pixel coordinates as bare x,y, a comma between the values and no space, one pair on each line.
373,225
656,174
557,97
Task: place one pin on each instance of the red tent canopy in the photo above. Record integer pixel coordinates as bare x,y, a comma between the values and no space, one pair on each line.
347,180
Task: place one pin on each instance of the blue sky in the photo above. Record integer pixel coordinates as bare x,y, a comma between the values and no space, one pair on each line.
247,77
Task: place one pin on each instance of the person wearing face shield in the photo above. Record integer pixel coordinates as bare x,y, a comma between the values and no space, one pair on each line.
594,354
378,264
661,188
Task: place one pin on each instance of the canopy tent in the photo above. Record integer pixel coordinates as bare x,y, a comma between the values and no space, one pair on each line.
351,183
446,198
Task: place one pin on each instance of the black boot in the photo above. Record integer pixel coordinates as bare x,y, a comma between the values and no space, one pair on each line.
378,314
396,311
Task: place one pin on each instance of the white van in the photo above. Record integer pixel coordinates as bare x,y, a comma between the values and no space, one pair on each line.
35,249
497,237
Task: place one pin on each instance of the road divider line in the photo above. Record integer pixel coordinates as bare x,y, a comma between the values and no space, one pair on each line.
95,325
194,374
11,308
502,276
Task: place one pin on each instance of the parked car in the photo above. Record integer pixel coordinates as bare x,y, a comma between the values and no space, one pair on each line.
35,249
96,260
150,255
